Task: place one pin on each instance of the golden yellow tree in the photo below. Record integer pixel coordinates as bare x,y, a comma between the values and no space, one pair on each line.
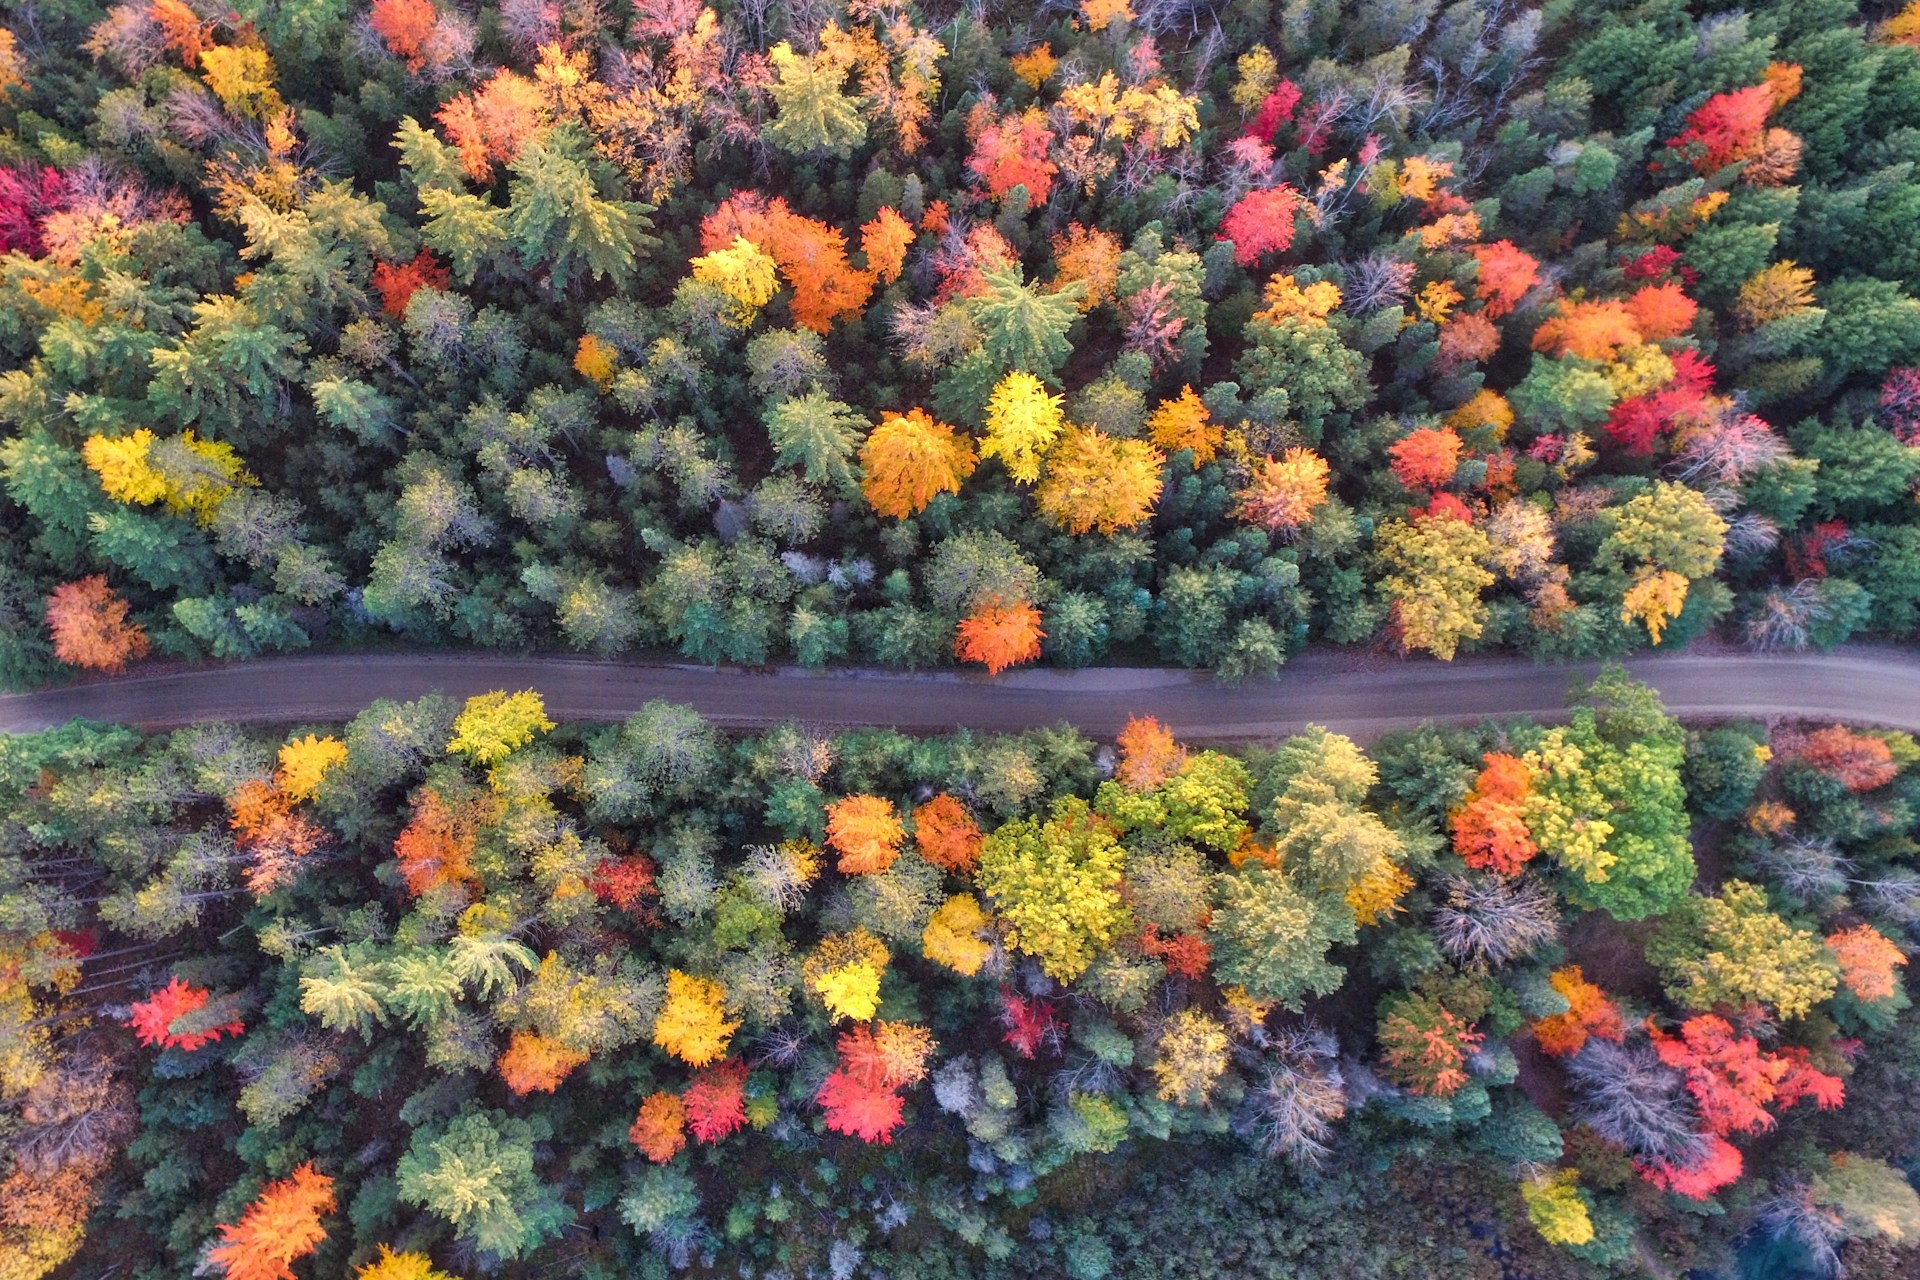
1094,481
909,460
744,273
693,1025
1022,423
304,762
845,971
1433,571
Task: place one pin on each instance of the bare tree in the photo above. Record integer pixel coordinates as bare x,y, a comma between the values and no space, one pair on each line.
1627,1096
1491,920
1297,1095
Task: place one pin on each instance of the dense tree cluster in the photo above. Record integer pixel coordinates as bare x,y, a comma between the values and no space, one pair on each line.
756,331
453,987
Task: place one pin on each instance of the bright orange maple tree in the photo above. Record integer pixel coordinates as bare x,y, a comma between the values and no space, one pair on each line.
405,25
1148,754
89,626
1000,636
1489,828
1867,961
1283,493
909,460
436,846
537,1063
153,1019
946,834
1427,458
885,240
1595,329
660,1130
1507,273
866,832
278,1228
1589,1013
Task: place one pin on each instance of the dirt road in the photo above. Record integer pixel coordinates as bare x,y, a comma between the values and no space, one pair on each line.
1356,696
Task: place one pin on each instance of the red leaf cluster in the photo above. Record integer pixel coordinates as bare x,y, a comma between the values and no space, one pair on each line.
27,195
1637,422
1427,458
626,884
1725,128
1030,1023
1186,954
1012,152
1275,110
1261,222
396,284
1733,1079
716,1101
152,1019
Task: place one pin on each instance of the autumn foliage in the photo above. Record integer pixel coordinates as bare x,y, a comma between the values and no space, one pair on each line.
1149,755
436,847
90,628
396,283
1589,1013
946,834
276,838
405,26
1000,636
866,832
716,1101
1507,273
1867,961
1261,222
812,256
536,1063
1858,762
660,1129
862,1096
281,1226
1424,1045
153,1019
909,460
1489,828
1733,1080
1427,458
1283,493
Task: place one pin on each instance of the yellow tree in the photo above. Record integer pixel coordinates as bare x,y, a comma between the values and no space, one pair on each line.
1022,423
1099,482
304,762
845,971
1183,423
1433,571
745,273
693,1025
495,725
909,460
955,937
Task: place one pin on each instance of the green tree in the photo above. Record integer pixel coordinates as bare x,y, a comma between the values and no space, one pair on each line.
1273,939
1023,328
817,435
558,217
814,115
477,1172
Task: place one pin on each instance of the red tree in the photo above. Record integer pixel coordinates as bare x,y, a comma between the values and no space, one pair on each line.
1506,274
1261,222
396,284
1725,128
153,1019
626,884
405,25
1030,1024
1427,458
1012,153
90,628
716,1101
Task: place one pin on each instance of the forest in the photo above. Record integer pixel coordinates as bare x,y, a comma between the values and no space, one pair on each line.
454,991
855,331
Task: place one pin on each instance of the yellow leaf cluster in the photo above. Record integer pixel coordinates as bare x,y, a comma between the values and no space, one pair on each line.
1099,482
1101,14
1486,411
241,76
1779,291
1192,1058
594,361
1287,300
693,1024
191,476
1377,893
953,936
1035,65
1161,115
1259,72
494,725
1022,423
1437,301
1655,600
745,273
845,971
304,762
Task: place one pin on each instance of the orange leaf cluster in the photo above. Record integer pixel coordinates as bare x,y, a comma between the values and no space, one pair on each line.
405,25
1000,636
1856,761
626,884
1506,274
1589,1013
1718,1167
1427,458
1283,493
1148,754
182,30
1726,128
909,460
1591,330
1489,830
491,124
660,1130
866,832
1468,337
1090,257
276,838
1425,1046
885,240
1867,961
1183,423
716,1101
812,256
1662,311
152,1019
279,1227
396,284
436,847
90,628
1732,1078
947,835
1186,954
533,1062
1012,152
